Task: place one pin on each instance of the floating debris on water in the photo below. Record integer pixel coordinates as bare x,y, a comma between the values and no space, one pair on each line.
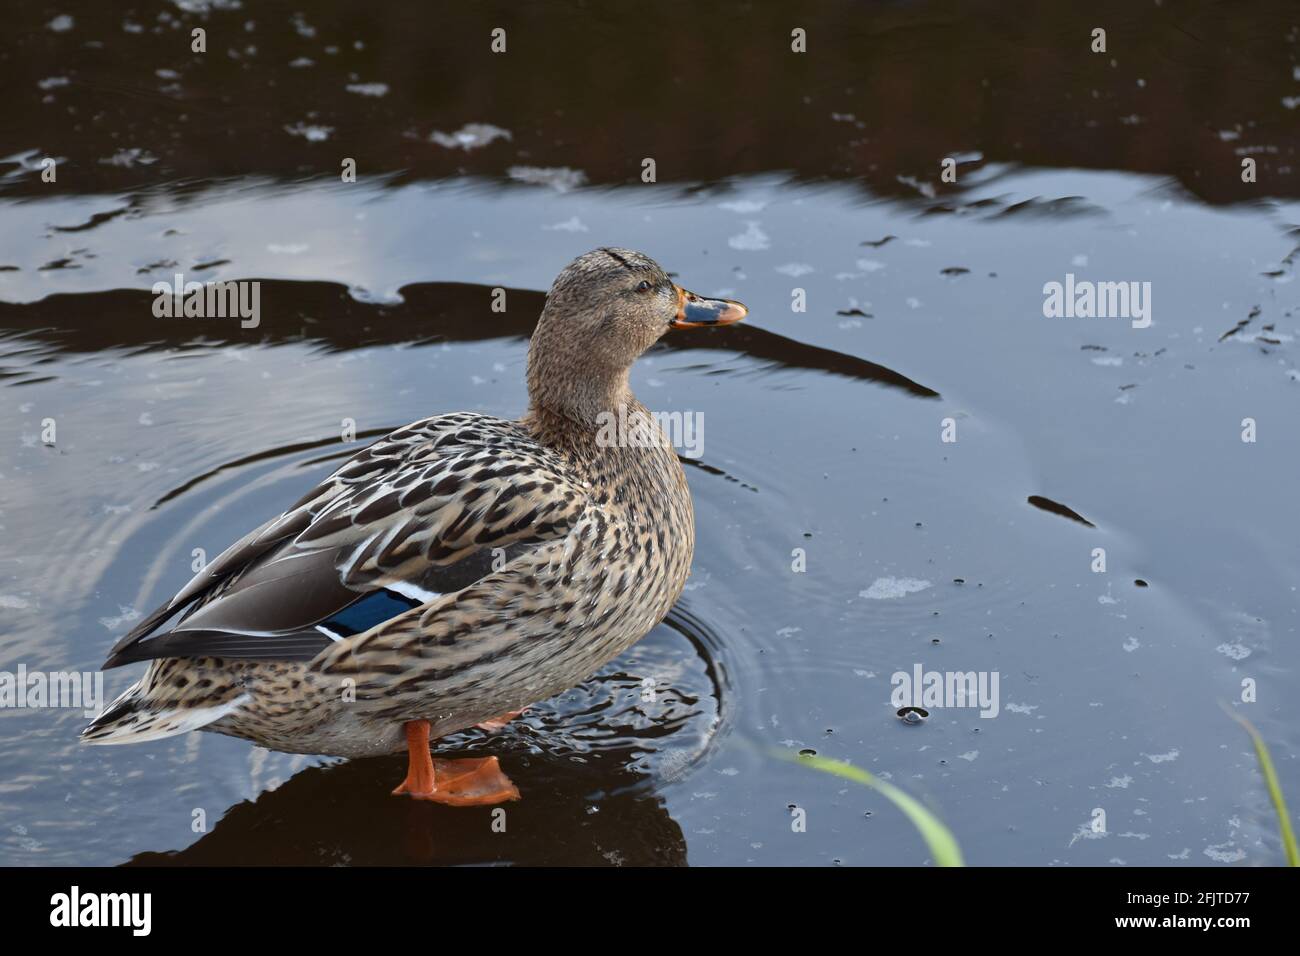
1056,508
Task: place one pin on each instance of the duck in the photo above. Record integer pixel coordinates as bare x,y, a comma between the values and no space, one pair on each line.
451,574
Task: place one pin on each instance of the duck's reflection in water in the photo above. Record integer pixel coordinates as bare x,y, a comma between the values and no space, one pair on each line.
587,810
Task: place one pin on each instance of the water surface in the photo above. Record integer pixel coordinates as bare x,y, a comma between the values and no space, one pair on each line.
840,538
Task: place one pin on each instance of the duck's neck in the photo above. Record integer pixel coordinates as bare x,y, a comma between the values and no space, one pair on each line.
576,387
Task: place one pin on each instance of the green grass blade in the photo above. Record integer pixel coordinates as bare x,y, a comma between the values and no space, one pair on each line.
1274,789
943,845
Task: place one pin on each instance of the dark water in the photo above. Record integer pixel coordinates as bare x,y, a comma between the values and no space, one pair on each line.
823,429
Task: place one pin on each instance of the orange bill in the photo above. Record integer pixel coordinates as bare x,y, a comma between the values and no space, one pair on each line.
695,311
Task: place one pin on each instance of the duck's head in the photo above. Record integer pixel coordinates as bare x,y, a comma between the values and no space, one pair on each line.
603,311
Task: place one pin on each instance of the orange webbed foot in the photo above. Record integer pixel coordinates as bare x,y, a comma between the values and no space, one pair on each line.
470,782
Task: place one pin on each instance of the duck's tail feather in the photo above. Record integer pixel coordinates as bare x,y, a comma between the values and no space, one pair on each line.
136,717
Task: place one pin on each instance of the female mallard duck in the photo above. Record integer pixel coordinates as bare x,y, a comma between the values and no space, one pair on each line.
451,573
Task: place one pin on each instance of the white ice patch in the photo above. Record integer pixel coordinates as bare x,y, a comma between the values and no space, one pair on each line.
795,269
1221,854
560,178
884,588
368,89
1162,758
310,132
573,224
470,136
1086,832
753,239
126,158
1237,652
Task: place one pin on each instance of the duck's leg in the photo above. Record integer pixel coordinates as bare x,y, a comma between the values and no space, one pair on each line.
497,723
419,765
462,783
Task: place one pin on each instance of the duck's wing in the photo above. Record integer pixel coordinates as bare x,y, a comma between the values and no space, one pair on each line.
425,511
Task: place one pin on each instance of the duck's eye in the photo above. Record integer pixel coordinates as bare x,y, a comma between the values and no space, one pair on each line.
644,286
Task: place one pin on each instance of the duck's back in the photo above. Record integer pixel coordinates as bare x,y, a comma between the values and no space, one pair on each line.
460,568
551,617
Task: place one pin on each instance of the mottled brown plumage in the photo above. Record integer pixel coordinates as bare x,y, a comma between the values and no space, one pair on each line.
458,569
